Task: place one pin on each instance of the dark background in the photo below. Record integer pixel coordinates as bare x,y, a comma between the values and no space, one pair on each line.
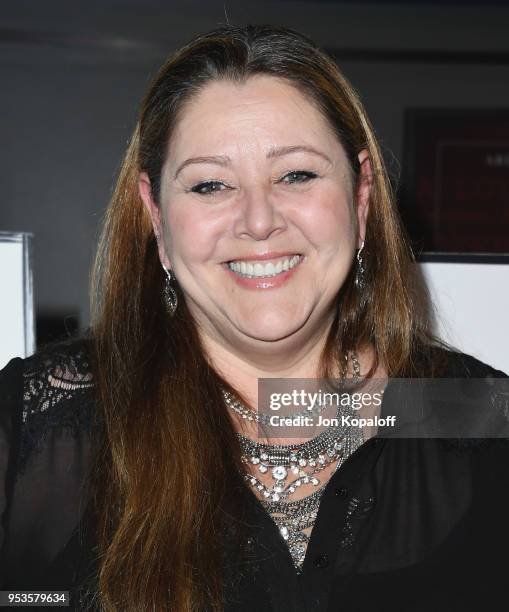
73,74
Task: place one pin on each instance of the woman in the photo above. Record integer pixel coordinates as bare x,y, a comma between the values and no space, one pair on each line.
252,234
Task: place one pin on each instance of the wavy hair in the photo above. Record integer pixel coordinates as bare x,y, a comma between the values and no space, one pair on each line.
166,451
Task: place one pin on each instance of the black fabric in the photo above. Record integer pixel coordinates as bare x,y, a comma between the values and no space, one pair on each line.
404,524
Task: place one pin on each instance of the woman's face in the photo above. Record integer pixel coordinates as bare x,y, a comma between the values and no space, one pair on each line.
257,211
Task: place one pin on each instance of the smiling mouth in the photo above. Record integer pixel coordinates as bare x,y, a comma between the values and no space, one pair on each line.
263,269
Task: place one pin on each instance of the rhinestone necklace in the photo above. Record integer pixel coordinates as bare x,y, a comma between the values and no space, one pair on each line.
303,461
293,517
250,415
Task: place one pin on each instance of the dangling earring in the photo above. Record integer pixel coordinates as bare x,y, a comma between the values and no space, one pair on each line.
360,274
169,293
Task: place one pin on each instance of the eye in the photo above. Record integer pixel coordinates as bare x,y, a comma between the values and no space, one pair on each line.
209,187
298,176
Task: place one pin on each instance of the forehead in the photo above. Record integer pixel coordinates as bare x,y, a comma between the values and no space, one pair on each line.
261,112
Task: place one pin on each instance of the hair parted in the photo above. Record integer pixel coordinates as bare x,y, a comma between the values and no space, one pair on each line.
166,450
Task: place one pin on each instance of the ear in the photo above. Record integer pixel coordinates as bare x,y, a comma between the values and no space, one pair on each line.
154,212
363,194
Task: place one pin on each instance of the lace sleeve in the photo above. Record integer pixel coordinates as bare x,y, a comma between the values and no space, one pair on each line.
56,389
46,405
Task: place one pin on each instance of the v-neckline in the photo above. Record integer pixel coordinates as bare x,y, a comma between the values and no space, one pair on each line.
273,534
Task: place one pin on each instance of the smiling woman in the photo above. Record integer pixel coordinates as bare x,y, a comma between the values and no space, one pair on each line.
252,234
270,208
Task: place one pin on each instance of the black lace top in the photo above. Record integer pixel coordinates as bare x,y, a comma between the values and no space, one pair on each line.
404,525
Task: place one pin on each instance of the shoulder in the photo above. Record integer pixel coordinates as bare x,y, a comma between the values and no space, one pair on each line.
50,390
60,372
463,365
64,365
483,392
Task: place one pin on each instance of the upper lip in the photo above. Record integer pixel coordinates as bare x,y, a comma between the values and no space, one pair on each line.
261,257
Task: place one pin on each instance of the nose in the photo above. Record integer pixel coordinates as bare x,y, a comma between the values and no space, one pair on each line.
258,216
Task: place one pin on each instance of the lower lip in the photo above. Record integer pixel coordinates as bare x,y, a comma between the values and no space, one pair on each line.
264,282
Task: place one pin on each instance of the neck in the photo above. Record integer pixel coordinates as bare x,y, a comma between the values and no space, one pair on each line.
243,368
243,364
297,354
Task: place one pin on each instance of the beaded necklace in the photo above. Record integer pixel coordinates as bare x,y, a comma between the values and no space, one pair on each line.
294,465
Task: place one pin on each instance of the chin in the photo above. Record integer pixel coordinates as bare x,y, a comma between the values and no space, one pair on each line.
271,329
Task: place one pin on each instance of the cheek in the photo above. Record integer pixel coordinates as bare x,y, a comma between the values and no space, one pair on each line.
327,217
193,235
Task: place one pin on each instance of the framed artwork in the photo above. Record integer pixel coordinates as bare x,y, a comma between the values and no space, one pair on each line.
454,193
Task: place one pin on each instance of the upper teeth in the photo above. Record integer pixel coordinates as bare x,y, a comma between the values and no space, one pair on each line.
282,264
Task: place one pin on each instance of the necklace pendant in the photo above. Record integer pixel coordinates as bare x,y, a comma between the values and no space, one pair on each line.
279,472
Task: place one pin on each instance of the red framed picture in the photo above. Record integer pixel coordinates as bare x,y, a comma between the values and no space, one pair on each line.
454,194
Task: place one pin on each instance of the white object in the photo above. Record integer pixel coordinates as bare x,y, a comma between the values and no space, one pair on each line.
472,308
17,329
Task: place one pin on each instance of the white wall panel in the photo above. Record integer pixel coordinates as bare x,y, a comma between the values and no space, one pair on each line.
16,301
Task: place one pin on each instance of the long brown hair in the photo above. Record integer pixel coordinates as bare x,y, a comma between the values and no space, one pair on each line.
167,452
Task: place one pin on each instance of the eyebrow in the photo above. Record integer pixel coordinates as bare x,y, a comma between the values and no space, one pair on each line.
224,160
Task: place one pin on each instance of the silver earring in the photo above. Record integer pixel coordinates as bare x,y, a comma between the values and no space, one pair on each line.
360,274
169,292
